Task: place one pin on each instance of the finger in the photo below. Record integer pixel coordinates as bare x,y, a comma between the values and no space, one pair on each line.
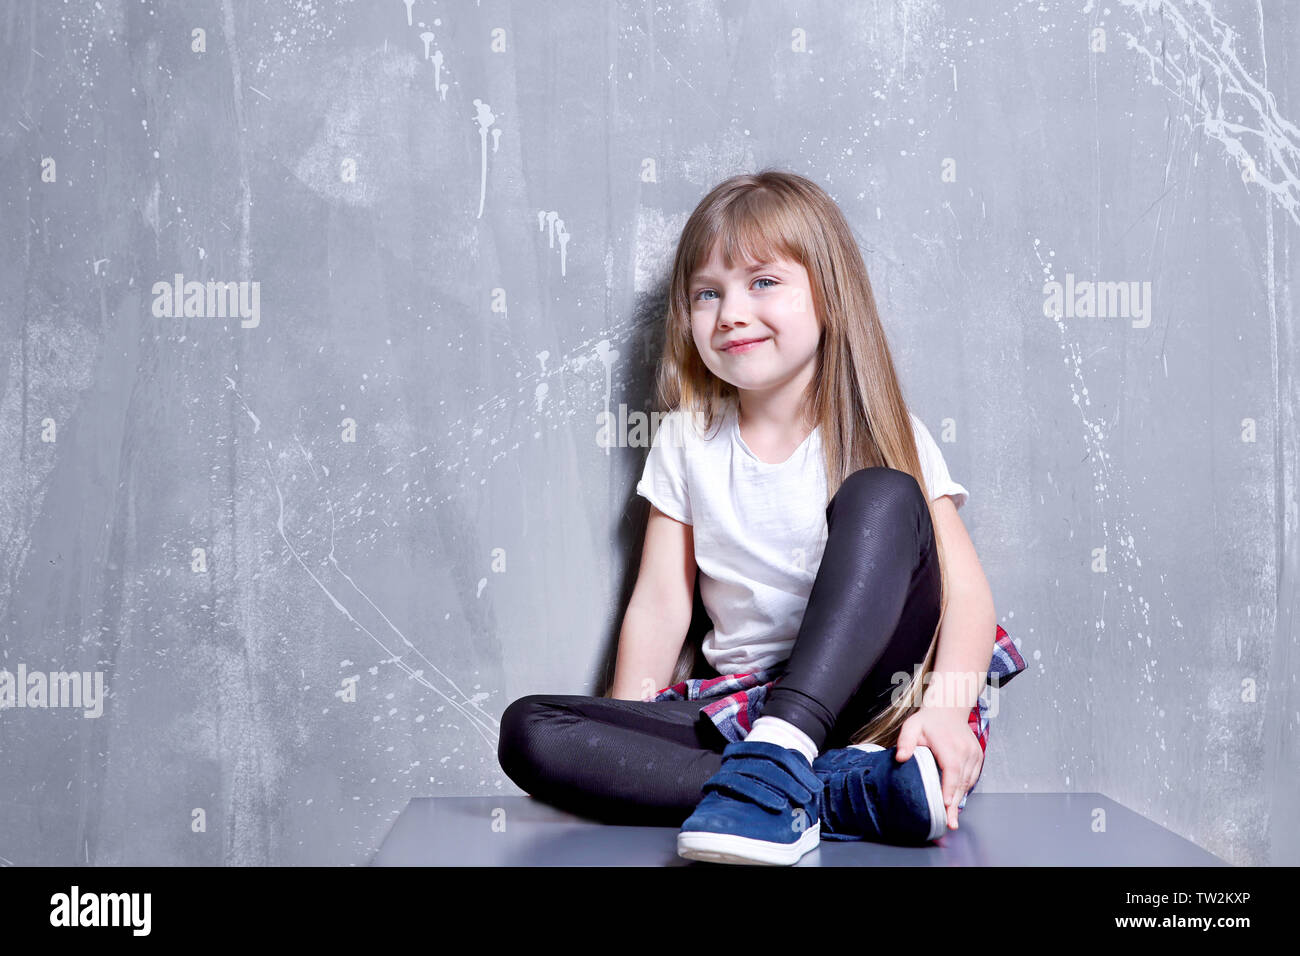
954,810
907,741
954,785
952,782
976,769
968,780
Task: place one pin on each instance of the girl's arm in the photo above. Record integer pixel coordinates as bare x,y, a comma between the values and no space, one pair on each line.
961,666
659,612
969,630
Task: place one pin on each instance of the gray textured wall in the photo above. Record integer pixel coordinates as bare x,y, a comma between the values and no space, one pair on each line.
390,472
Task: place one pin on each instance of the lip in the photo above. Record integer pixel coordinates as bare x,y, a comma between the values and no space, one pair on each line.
742,345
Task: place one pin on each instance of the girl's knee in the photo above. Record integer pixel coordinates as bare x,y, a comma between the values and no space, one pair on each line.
517,733
880,480
868,486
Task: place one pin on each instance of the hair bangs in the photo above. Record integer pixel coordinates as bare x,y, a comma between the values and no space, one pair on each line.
755,228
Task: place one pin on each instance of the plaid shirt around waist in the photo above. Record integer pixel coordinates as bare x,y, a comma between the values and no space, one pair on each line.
735,701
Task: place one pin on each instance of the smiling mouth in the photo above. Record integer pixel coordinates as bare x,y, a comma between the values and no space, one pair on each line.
744,346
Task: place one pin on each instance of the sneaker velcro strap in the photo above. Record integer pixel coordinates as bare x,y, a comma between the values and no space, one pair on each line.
774,775
792,762
740,785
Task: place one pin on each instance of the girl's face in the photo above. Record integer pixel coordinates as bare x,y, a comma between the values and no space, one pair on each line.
767,305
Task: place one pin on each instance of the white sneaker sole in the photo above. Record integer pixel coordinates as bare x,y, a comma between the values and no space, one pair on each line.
933,791
733,848
933,787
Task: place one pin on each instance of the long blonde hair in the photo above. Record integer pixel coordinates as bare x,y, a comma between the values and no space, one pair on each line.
854,394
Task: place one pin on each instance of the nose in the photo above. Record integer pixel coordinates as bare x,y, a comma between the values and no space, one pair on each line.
731,316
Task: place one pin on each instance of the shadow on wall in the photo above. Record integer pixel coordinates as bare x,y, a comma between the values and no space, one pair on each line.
690,662
647,337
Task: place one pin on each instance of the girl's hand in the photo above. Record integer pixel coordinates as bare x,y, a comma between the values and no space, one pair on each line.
956,750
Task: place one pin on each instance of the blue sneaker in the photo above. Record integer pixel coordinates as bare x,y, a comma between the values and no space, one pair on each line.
762,806
868,795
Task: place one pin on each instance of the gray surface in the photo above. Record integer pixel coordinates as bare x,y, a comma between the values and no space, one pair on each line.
996,829
476,429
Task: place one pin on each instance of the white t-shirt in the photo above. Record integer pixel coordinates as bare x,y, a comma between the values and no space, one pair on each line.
759,528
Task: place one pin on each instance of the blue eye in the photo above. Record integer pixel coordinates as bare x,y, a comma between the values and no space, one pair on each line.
697,295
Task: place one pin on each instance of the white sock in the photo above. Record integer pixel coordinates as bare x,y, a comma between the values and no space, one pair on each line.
774,730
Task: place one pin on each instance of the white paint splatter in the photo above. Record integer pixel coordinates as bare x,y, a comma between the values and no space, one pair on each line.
552,222
257,422
1209,47
485,118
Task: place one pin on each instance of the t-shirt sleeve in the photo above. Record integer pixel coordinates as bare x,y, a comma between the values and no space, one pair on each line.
935,468
663,480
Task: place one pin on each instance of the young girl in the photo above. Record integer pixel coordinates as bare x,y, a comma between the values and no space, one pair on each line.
847,602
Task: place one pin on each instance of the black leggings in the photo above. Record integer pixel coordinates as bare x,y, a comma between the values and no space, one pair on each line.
871,613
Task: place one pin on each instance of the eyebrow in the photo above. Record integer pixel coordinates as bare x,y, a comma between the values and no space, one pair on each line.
769,266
